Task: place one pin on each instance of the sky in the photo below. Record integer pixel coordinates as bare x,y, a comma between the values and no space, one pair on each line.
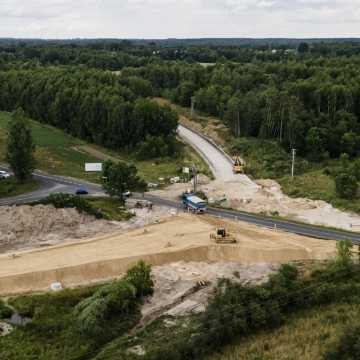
158,19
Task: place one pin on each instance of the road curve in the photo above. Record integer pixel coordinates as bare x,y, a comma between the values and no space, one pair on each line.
219,162
221,166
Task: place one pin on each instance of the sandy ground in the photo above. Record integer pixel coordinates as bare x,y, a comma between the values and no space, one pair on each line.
25,227
184,287
179,238
262,196
265,196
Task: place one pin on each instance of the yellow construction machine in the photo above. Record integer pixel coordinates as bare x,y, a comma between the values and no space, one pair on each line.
238,167
223,237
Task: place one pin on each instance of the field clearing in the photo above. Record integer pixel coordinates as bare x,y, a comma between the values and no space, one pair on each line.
61,154
184,237
297,338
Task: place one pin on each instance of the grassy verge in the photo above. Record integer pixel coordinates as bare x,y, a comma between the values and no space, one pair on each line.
10,187
306,335
110,208
61,154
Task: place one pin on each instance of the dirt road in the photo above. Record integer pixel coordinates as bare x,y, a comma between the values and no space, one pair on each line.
183,237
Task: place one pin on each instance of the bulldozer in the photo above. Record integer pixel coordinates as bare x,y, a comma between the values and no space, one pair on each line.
238,167
223,237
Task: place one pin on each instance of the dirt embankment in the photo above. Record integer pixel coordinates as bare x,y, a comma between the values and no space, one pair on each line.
179,238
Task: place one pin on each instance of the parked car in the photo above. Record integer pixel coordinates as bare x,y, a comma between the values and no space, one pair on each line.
127,194
81,192
4,175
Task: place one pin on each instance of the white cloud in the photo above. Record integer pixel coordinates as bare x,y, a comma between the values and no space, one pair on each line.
178,18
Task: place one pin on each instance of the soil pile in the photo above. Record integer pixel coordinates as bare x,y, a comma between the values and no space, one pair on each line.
29,226
26,227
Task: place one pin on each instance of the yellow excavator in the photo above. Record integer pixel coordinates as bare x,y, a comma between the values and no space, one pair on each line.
238,167
223,237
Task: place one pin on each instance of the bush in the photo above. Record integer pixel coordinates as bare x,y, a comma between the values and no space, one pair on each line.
61,201
347,347
118,298
237,311
346,186
140,276
5,311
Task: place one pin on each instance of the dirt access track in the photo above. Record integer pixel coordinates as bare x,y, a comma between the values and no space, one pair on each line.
184,237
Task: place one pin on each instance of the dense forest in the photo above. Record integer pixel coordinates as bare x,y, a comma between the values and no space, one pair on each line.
94,105
305,95
310,104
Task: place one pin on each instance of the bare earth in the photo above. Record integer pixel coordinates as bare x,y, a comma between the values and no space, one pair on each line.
179,238
27,227
262,196
265,196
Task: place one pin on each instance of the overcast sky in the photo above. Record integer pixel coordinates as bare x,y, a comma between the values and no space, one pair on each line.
179,18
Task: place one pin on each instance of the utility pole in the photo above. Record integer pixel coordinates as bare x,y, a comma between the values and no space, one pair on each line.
238,122
194,170
192,106
293,163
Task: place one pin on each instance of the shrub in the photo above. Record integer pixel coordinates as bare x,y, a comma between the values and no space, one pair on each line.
5,311
344,255
347,347
140,276
61,201
346,185
118,298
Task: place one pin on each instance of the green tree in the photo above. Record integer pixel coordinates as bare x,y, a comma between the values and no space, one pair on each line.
346,185
20,147
344,256
120,177
303,48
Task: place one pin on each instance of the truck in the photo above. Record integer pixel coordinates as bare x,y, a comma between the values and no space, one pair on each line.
193,203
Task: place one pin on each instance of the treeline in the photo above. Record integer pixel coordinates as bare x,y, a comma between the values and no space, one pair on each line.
105,58
117,54
310,104
93,105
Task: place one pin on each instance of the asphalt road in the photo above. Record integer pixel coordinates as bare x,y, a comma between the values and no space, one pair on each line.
219,163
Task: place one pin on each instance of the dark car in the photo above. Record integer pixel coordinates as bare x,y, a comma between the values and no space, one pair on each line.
81,192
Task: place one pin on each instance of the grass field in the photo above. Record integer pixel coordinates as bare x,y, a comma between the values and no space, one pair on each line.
10,187
307,335
61,154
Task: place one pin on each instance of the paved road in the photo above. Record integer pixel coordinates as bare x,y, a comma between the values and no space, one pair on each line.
51,184
220,164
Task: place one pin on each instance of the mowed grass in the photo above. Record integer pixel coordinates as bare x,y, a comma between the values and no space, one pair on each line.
306,335
61,154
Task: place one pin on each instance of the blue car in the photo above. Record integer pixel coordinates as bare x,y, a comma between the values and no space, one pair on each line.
81,192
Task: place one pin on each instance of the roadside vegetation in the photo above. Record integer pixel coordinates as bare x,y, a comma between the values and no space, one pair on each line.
75,324
61,154
95,322
10,187
101,207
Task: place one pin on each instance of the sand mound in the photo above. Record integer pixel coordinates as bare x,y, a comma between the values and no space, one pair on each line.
28,226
